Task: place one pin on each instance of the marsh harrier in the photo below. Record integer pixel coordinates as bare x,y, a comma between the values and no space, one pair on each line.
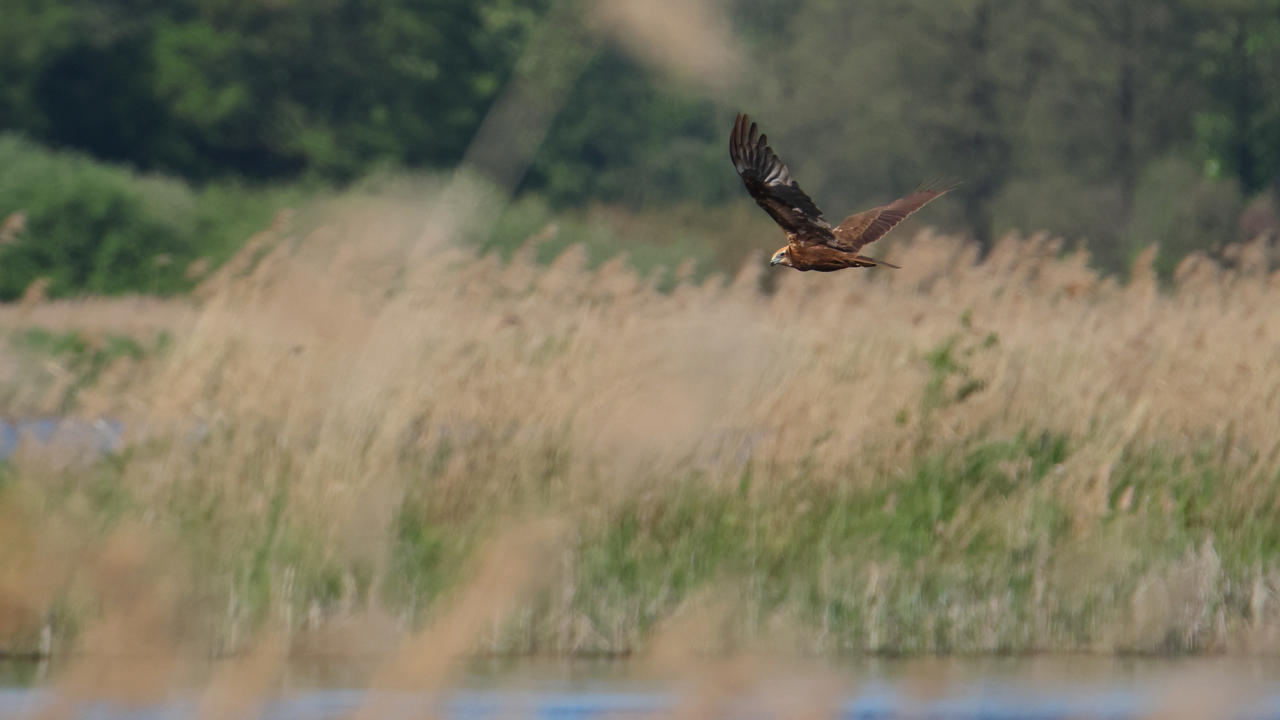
812,244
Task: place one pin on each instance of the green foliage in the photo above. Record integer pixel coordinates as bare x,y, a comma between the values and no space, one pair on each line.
88,227
894,563
952,378
206,88
656,551
423,559
96,228
1183,211
1075,208
1239,131
1059,115
660,144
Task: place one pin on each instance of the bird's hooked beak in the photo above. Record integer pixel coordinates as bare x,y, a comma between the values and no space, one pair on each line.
777,259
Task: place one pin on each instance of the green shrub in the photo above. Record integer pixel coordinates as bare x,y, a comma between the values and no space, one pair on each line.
90,227
1183,210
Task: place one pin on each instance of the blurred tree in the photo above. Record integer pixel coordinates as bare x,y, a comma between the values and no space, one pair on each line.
903,92
1108,97
1051,111
215,87
88,227
1057,114
1238,49
623,138
1183,211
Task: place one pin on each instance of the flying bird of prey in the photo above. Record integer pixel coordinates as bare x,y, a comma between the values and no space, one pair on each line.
812,244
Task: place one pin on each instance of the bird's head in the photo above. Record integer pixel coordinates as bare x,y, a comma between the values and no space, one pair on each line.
782,257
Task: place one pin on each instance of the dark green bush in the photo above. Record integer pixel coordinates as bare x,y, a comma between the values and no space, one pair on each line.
1182,210
90,227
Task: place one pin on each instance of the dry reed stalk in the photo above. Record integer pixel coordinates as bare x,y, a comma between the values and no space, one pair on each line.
332,379
507,363
510,566
133,654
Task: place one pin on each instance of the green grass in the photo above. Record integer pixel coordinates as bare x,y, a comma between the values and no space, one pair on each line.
972,549
956,576
84,357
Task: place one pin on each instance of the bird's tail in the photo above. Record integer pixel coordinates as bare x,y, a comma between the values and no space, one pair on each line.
864,261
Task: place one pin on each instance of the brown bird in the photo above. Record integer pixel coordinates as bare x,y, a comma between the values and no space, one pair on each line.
812,244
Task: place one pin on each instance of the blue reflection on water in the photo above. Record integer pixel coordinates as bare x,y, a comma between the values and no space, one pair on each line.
103,435
986,704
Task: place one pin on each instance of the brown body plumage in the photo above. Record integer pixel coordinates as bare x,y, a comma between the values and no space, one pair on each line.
812,244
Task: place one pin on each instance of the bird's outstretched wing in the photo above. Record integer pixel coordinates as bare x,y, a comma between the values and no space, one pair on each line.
770,183
870,225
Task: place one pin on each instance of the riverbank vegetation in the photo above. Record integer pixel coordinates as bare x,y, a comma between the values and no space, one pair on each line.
446,330
1008,455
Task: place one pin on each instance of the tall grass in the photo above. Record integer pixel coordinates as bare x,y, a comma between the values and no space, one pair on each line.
961,456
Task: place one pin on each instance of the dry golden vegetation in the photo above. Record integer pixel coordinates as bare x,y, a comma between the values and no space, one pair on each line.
961,456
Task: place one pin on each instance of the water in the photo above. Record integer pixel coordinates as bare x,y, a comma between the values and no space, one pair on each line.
100,436
1044,688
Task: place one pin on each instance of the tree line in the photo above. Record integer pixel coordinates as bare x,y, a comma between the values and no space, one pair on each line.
1119,123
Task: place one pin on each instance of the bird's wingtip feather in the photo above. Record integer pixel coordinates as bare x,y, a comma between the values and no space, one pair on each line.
939,184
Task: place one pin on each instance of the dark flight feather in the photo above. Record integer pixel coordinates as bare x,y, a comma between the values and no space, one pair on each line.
812,244
770,183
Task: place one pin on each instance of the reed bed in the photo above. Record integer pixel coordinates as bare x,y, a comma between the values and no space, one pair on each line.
1010,454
